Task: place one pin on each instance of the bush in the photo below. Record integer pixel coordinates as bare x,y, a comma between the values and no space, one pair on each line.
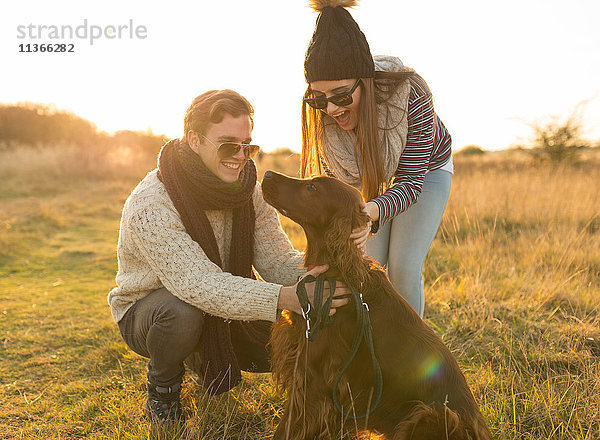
557,140
470,150
37,124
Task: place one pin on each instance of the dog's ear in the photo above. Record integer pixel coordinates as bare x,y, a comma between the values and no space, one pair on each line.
343,253
359,217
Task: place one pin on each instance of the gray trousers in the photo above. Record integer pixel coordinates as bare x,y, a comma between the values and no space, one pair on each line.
403,242
165,329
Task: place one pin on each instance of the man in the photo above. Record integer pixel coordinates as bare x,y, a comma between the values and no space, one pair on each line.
190,234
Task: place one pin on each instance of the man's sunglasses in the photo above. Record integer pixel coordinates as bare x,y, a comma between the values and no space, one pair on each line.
230,149
341,100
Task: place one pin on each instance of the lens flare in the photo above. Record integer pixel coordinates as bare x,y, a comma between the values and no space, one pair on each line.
430,367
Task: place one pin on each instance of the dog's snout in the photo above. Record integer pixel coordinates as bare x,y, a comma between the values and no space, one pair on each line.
268,175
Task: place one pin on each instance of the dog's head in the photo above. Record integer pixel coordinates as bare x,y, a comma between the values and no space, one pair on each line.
327,209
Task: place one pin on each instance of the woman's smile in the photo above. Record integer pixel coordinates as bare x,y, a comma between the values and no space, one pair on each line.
346,116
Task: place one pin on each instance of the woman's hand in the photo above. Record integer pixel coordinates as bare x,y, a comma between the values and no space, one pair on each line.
288,299
372,209
361,235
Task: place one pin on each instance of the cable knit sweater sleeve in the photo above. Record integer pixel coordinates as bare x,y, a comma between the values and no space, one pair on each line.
184,270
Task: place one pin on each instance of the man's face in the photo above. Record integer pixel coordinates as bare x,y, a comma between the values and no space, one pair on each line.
230,129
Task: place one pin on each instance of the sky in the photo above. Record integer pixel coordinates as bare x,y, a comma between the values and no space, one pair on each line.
494,68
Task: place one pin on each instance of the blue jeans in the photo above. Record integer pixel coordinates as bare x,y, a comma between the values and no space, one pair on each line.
403,242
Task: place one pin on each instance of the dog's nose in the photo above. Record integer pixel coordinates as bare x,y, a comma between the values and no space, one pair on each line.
268,175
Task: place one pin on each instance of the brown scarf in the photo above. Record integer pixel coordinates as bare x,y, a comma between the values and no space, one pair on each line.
193,188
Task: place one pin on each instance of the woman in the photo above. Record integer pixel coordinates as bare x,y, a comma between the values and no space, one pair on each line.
371,123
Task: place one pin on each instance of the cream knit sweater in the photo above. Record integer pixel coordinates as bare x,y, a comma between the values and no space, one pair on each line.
155,251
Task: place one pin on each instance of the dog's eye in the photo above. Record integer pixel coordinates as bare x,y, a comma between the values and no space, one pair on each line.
311,186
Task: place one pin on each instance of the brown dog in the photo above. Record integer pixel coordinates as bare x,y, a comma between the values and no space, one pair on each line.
425,395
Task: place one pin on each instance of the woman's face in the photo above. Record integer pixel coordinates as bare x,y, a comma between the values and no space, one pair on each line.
346,116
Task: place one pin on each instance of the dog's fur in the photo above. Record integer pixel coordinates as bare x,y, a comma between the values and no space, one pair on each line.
425,395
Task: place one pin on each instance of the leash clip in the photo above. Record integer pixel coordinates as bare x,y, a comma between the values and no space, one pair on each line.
364,303
307,328
307,319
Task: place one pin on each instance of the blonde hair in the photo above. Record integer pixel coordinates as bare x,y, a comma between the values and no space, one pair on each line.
367,149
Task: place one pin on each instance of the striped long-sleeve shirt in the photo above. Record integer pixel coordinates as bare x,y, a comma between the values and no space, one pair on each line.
428,147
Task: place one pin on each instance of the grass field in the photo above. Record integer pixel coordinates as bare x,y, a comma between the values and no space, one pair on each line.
512,286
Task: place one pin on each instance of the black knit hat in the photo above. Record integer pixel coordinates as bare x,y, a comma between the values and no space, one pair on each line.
338,49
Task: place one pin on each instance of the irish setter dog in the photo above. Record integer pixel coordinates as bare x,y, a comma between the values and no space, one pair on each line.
425,395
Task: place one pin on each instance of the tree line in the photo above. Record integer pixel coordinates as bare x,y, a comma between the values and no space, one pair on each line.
39,125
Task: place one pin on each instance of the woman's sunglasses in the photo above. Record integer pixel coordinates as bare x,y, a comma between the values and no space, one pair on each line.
230,149
341,100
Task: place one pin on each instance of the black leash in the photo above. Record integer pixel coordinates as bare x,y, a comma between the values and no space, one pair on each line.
318,315
363,331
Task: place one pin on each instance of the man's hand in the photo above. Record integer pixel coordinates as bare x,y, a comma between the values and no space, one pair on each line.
288,299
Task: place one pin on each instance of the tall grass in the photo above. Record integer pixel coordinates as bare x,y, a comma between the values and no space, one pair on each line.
514,280
512,286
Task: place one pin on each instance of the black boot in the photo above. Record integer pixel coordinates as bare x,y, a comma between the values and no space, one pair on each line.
163,404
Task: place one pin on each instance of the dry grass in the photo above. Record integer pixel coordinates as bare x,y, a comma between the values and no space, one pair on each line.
512,285
514,280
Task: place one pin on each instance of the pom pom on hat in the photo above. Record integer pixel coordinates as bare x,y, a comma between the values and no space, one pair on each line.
319,5
338,49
